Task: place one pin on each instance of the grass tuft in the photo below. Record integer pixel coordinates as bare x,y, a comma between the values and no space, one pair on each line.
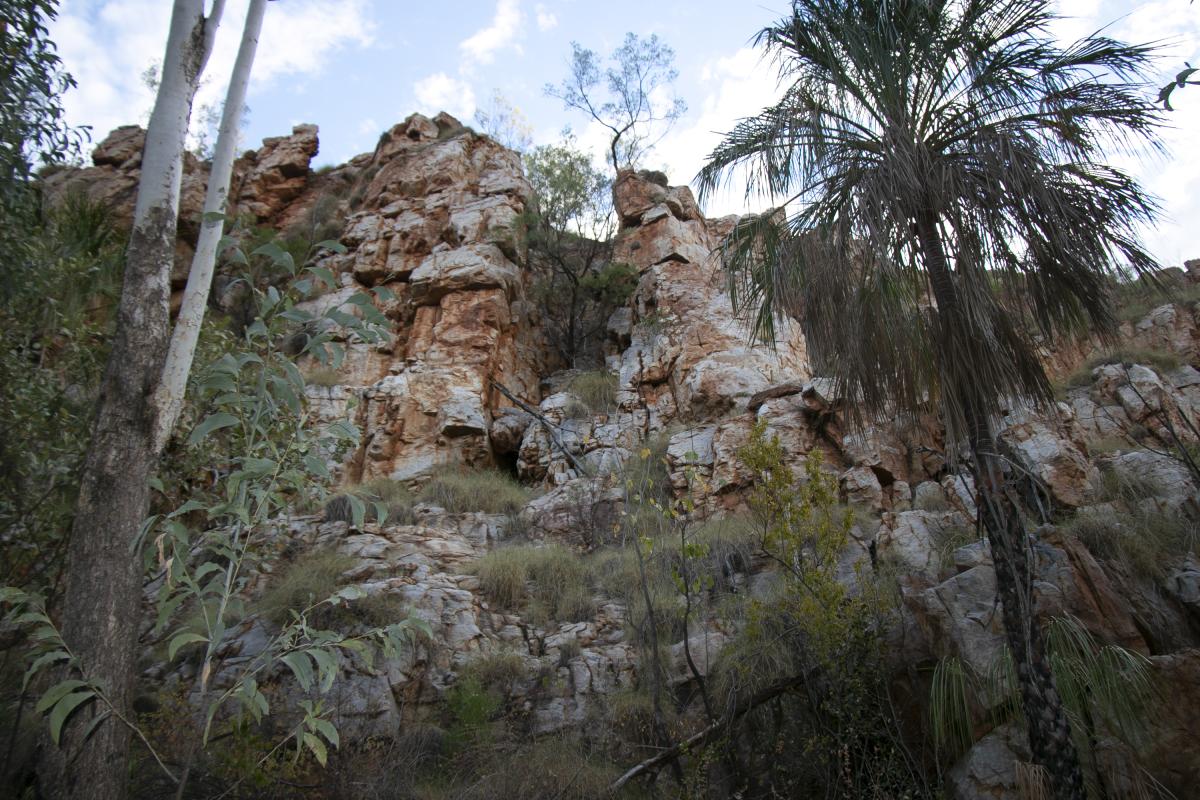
1159,360
486,491
597,390
308,580
548,583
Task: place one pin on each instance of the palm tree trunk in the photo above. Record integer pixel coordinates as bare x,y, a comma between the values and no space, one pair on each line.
1049,730
101,607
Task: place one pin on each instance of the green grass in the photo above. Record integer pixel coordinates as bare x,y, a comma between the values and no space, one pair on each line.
597,390
546,583
487,491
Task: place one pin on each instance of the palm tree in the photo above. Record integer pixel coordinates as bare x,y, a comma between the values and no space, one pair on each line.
945,161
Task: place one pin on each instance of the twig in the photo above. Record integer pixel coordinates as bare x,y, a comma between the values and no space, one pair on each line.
547,425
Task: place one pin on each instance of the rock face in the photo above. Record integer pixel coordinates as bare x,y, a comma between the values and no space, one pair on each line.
274,175
264,182
433,215
439,228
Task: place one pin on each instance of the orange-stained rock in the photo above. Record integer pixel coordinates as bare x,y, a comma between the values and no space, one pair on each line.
275,174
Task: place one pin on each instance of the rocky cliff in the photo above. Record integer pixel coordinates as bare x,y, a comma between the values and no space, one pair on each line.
435,213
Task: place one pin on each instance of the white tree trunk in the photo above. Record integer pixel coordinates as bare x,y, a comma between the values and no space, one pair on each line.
101,606
171,388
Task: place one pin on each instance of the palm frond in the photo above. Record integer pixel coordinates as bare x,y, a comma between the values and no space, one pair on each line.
973,112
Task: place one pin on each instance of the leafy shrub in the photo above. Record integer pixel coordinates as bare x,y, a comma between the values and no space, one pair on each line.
486,491
809,626
613,284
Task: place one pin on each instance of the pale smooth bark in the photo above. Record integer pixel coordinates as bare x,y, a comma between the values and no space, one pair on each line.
101,605
169,396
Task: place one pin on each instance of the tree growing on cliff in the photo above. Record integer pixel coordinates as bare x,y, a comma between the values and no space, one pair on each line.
949,152
633,97
570,224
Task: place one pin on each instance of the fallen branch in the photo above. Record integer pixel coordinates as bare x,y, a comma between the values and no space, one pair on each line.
547,424
671,753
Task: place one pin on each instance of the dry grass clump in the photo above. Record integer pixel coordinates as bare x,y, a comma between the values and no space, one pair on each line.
1134,530
325,377
392,496
1136,299
309,579
548,583
597,390
1159,360
487,491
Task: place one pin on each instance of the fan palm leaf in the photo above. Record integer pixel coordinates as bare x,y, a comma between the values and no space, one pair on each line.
946,204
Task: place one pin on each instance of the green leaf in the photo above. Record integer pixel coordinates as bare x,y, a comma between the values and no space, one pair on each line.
301,668
52,657
358,510
316,466
213,216
212,422
186,508
325,275
351,593
331,244
328,666
180,640
258,466
316,746
326,729
95,723
63,709
381,512
57,692
298,315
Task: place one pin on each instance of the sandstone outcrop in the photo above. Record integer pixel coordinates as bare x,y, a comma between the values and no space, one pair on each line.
433,223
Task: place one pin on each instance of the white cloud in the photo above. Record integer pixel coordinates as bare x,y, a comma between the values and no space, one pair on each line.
1174,178
485,43
107,46
545,18
440,92
743,84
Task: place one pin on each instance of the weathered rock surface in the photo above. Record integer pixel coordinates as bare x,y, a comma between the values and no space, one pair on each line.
434,215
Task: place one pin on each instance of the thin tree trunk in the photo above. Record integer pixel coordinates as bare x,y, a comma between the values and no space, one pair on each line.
169,396
1049,730
103,584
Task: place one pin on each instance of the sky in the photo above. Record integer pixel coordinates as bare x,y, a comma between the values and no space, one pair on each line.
357,67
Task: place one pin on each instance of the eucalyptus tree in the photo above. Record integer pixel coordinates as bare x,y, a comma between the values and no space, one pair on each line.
945,201
104,576
628,97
